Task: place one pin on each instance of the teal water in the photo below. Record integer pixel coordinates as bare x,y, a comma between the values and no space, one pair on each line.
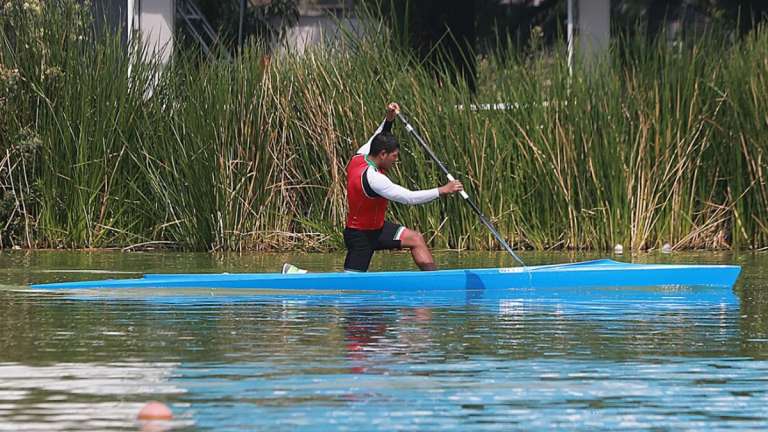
257,362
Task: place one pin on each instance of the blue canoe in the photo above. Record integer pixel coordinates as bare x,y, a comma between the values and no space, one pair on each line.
599,273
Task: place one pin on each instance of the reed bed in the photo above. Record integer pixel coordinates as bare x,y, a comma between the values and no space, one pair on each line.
653,144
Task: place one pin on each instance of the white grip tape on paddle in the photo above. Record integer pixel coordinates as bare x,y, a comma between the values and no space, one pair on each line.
462,193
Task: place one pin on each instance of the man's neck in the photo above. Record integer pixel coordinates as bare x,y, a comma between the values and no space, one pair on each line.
372,161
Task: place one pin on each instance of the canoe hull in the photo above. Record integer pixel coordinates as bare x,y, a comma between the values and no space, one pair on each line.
600,273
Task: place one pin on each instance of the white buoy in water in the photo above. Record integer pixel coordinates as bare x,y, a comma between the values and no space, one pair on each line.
667,248
618,249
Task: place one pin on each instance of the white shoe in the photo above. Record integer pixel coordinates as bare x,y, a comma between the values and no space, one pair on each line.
292,269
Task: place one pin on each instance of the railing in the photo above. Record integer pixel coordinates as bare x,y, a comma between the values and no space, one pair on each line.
199,27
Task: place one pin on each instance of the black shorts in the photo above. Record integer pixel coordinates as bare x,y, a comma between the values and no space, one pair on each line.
361,244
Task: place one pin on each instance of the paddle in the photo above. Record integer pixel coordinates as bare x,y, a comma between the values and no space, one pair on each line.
464,194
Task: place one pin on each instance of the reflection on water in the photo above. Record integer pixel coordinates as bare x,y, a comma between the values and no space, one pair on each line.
78,396
663,358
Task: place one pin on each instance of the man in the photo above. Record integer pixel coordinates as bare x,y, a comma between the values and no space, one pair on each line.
369,191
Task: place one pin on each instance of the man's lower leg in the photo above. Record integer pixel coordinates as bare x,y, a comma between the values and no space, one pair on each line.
427,266
423,258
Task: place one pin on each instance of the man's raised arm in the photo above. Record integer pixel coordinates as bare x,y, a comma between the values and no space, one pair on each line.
385,126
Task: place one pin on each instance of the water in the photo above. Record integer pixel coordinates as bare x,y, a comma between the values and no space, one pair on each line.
254,362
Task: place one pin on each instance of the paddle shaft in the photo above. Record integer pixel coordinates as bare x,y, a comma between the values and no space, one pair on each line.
464,194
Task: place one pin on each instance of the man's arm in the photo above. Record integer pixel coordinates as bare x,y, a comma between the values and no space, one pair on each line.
386,188
385,126
382,186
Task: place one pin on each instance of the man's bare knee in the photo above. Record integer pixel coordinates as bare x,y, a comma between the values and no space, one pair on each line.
412,239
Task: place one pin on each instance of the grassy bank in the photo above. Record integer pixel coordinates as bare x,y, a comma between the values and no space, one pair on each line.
655,144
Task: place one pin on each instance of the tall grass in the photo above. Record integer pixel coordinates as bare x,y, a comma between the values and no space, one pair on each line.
651,144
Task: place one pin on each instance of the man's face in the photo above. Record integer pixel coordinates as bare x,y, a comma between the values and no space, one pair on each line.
388,160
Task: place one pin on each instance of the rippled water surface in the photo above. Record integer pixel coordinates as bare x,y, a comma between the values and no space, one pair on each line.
254,361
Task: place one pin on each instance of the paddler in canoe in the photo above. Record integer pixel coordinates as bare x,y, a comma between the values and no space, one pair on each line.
369,192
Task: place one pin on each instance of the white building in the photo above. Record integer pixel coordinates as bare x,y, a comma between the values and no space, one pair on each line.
155,22
152,20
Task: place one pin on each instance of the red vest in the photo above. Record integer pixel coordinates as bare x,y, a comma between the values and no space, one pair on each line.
365,212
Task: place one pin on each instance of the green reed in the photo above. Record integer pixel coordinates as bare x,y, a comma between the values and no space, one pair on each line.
653,143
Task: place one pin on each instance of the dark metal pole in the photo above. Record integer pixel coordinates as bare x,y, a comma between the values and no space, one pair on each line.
240,27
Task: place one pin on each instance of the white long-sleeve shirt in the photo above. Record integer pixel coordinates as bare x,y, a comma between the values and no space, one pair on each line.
386,188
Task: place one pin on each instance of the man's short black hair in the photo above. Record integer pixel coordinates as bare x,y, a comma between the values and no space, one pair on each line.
383,142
